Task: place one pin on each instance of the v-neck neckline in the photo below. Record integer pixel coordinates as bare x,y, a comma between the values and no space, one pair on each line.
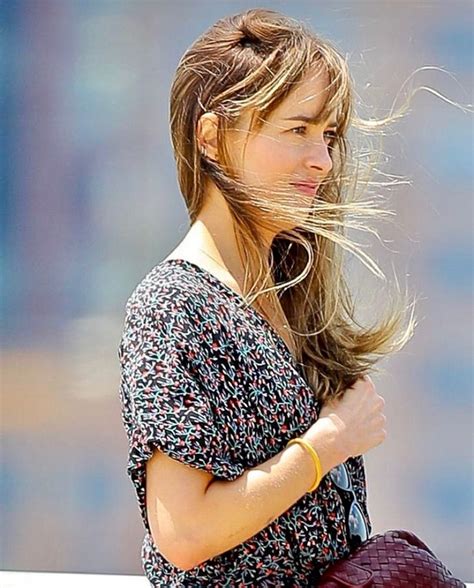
231,292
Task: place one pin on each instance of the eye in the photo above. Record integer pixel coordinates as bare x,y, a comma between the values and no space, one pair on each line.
299,130
332,135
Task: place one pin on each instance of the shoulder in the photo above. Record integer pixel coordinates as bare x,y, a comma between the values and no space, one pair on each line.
173,303
173,315
168,288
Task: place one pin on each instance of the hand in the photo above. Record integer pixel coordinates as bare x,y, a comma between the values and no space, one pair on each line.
357,417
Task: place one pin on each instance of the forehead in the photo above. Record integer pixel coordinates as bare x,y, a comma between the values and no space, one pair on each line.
307,97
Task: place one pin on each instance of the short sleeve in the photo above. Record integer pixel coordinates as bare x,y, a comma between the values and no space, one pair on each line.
164,354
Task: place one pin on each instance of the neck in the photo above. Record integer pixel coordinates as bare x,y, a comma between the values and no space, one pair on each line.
214,233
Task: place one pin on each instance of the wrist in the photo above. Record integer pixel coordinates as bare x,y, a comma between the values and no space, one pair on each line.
326,438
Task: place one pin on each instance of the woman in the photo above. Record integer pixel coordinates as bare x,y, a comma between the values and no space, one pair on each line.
244,338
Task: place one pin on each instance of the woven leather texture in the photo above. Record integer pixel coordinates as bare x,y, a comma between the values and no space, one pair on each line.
394,559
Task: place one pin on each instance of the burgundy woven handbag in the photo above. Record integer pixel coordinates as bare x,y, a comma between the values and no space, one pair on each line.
394,559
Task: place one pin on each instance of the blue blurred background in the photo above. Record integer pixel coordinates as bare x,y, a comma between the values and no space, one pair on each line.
90,204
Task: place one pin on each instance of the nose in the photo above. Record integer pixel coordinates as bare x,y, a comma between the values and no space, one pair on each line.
317,157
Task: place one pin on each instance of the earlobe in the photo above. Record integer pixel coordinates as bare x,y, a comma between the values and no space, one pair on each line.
207,135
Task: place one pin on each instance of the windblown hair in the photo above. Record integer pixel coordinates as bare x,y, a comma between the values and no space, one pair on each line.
250,62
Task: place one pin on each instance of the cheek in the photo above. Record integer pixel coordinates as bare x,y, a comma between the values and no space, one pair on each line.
269,156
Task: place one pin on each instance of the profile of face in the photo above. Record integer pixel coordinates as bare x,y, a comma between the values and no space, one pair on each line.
292,143
289,156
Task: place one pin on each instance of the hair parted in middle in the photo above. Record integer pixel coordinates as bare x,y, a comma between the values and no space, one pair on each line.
249,63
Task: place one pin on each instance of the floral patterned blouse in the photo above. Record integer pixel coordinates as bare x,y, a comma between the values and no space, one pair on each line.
208,381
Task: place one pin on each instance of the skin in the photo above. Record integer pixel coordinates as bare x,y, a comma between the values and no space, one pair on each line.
281,152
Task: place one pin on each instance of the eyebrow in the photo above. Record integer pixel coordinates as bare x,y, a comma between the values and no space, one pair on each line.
310,119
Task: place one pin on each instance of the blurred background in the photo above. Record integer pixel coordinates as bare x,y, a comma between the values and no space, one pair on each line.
89,204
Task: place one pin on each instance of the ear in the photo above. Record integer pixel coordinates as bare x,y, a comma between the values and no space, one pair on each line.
206,134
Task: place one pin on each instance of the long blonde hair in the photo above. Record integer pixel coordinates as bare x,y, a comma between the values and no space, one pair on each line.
249,62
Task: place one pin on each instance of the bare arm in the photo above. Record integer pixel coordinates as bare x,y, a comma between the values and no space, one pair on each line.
232,512
194,517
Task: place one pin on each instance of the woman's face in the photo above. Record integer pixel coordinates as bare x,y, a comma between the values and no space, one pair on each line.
290,153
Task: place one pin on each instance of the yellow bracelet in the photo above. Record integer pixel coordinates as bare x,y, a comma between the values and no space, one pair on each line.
314,455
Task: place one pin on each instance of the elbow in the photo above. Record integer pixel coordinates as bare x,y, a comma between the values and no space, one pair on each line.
182,561
181,554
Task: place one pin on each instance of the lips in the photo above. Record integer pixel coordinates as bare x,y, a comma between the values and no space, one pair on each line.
306,187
